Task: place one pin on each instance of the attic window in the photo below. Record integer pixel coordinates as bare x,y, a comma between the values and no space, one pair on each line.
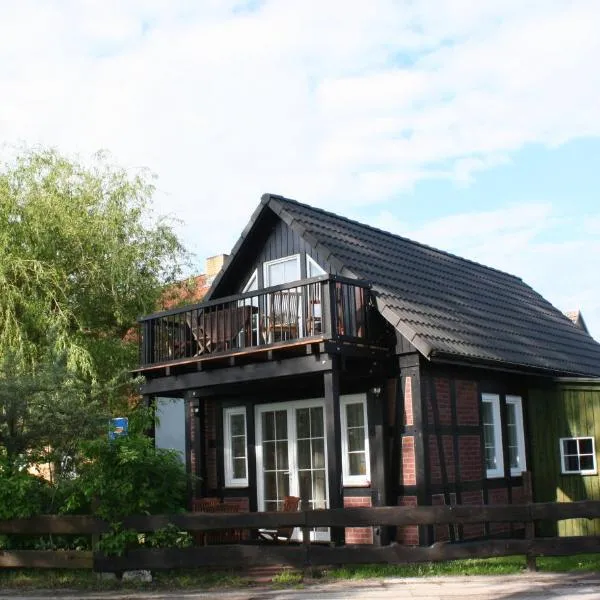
313,268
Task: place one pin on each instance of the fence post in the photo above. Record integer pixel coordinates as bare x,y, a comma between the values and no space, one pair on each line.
306,545
529,525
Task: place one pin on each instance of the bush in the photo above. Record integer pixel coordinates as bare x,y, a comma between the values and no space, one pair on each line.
128,476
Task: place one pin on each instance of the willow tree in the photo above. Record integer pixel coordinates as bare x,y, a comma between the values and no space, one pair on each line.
81,256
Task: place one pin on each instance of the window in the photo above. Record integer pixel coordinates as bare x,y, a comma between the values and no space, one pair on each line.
492,435
516,436
282,270
355,440
235,447
313,268
252,283
578,455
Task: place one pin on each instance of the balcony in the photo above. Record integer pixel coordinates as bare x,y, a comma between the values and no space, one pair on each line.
324,308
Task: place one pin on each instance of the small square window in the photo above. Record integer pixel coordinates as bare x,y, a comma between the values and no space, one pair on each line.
578,456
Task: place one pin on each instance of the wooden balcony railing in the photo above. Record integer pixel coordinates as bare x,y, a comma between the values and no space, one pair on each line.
325,307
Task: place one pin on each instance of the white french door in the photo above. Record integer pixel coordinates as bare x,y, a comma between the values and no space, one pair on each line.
291,456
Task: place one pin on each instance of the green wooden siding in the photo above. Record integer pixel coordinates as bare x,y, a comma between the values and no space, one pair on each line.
566,410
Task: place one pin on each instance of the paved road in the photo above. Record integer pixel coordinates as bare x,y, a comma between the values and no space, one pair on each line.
509,587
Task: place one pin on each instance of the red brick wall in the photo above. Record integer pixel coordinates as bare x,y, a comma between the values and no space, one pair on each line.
473,530
408,402
408,535
358,535
409,475
467,403
435,470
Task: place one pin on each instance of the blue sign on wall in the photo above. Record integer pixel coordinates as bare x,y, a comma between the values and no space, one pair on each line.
118,427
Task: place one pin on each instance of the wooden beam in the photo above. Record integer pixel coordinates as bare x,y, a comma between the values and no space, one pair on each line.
46,559
268,370
331,382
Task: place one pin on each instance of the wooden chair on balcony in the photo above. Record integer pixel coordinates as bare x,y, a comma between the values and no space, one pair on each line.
281,534
283,311
223,329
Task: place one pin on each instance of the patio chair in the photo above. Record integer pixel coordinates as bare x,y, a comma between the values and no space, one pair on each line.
281,534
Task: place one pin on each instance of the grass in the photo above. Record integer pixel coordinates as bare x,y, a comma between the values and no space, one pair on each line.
489,566
26,579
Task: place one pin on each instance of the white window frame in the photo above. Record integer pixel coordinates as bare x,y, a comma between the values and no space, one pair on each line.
310,261
563,471
517,402
348,479
269,263
252,283
494,400
230,481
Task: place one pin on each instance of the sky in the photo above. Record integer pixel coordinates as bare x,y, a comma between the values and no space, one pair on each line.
470,126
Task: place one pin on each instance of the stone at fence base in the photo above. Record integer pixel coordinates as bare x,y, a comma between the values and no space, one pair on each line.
107,576
140,575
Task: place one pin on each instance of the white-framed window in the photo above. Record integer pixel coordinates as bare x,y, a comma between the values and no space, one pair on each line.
516,435
282,270
313,268
252,283
578,456
355,440
492,435
235,446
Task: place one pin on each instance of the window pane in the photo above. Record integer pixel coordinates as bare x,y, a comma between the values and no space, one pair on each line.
282,454
239,468
270,486
586,463
490,458
283,484
268,425
355,416
357,463
586,446
269,455
319,490
571,463
356,439
305,481
281,424
319,454
570,446
303,423
316,422
238,426
238,447
304,454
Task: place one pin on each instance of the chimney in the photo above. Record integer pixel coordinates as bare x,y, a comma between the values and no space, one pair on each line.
214,264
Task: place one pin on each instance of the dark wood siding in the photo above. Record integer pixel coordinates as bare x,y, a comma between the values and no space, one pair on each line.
565,410
279,241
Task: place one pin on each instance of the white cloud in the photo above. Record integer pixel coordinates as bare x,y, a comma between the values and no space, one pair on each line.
338,107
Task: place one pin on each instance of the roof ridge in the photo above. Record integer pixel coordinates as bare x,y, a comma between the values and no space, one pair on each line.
396,236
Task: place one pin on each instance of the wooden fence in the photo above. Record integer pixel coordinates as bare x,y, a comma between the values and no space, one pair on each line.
306,554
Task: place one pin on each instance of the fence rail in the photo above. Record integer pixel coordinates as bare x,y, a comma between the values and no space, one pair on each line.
307,553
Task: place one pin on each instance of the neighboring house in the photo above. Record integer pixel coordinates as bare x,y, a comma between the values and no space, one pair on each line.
352,367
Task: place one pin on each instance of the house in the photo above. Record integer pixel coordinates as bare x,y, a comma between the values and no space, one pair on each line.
351,367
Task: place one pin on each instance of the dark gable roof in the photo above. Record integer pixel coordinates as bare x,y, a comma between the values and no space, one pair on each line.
447,306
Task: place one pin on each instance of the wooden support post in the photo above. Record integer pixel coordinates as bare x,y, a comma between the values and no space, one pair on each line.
529,525
331,381
308,572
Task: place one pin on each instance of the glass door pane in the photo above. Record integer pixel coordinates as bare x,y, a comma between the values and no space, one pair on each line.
276,464
310,451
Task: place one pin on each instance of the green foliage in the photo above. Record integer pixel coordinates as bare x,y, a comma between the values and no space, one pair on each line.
168,537
80,257
22,494
118,541
129,476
